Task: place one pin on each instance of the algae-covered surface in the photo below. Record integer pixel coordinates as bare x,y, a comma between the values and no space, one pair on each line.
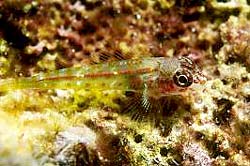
209,125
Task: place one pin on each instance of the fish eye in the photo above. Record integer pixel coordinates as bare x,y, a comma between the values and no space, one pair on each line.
183,78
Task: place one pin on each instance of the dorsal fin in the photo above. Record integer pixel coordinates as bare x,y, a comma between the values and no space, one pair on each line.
107,56
115,55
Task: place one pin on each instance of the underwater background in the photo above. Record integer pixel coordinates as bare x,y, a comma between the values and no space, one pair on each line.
206,125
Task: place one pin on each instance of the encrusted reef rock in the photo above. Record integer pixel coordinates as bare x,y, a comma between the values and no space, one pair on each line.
207,125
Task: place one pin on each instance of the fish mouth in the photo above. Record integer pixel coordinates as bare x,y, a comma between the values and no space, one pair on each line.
200,78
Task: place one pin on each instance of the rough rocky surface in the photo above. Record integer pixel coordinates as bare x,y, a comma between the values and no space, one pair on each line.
62,127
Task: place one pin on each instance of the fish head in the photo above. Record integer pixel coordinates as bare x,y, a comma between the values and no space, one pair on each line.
182,73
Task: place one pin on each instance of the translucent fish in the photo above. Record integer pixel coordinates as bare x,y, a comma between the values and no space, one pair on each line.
145,80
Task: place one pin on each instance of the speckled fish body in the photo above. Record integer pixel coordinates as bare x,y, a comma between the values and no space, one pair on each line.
154,73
